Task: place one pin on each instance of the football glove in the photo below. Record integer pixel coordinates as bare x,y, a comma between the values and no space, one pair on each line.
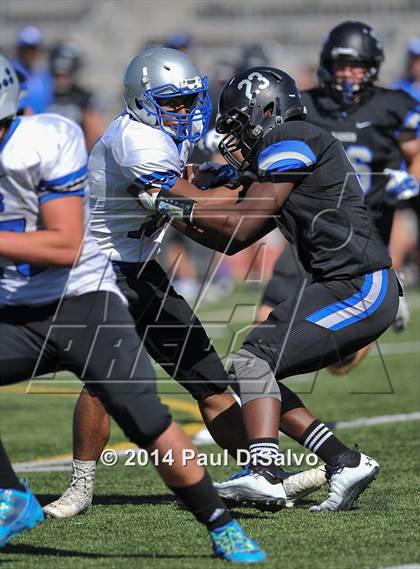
221,175
401,185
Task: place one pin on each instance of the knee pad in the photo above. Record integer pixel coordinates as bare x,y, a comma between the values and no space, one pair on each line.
254,377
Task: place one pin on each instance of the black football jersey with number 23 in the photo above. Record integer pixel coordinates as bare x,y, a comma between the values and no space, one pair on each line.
370,132
324,216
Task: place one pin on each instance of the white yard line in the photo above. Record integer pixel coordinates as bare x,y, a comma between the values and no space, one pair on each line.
64,463
396,348
378,420
408,566
386,349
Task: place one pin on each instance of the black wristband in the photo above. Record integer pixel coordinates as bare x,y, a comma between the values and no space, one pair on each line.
246,178
174,206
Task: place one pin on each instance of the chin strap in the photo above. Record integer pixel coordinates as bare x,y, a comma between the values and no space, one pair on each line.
175,207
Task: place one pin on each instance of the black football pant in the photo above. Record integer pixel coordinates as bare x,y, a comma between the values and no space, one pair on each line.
171,332
286,280
93,336
325,322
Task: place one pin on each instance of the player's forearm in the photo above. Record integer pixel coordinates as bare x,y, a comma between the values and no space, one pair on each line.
93,127
411,152
217,219
249,218
414,166
211,239
45,247
245,221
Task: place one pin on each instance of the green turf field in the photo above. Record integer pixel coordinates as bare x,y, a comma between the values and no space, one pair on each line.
135,522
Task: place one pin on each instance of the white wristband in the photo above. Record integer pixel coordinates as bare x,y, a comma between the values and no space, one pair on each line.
192,214
148,201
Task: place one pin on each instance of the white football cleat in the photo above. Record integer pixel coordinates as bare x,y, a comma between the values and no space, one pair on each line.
77,498
203,437
254,487
347,483
402,319
301,484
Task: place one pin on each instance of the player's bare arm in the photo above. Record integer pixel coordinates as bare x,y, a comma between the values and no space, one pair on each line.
215,240
57,243
247,218
411,152
246,221
221,196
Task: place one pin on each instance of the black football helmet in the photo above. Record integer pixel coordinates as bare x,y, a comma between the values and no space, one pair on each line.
350,41
64,58
251,104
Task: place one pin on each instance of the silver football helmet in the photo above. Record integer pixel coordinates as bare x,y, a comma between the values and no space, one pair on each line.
9,89
158,74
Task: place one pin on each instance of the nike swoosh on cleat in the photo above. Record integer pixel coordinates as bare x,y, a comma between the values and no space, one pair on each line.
364,124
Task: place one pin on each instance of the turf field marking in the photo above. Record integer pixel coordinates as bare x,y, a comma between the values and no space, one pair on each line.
205,437
396,348
62,462
409,566
378,420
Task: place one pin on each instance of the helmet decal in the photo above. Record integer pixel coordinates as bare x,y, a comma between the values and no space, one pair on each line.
9,89
252,103
263,83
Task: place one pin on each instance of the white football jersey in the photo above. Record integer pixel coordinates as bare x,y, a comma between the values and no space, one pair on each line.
43,157
129,158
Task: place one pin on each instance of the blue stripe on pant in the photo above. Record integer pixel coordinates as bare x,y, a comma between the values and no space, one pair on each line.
325,322
355,308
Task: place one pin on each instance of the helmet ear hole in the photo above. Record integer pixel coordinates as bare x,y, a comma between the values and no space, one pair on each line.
268,110
139,104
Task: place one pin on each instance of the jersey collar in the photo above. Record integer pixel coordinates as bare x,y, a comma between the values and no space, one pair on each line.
9,133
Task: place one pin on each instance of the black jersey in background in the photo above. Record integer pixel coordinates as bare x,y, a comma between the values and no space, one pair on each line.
73,103
370,131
